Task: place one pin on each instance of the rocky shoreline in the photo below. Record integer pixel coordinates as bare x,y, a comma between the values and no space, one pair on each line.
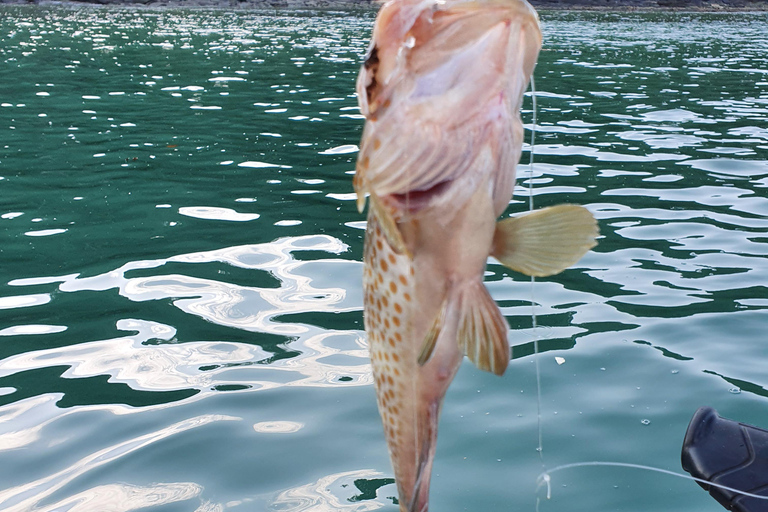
653,5
587,5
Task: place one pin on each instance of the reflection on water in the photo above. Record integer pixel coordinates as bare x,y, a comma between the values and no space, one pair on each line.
153,360
123,498
180,248
27,496
332,493
278,427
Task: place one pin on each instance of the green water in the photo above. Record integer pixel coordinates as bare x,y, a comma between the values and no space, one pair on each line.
180,305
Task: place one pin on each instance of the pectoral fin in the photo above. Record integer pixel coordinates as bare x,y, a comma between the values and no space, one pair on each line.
357,182
482,333
546,241
388,226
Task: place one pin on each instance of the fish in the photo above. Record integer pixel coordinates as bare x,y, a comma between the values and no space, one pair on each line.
441,89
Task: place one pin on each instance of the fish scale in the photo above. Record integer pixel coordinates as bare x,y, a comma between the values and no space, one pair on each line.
388,286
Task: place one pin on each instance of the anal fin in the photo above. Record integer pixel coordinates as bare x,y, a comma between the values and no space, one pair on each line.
482,333
545,242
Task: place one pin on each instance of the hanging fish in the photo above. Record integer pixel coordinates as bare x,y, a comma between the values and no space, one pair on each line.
441,89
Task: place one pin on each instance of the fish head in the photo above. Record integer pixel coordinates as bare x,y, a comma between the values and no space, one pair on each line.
438,50
441,89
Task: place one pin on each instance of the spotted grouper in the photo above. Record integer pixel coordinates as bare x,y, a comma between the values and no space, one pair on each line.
441,90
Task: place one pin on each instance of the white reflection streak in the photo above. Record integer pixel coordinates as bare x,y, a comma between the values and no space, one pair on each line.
124,498
296,294
278,427
317,496
32,329
24,497
216,213
208,506
177,366
318,373
19,438
148,367
24,301
217,301
11,413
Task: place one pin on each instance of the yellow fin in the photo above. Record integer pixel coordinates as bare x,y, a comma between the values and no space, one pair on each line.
388,226
430,340
360,202
357,181
482,333
546,241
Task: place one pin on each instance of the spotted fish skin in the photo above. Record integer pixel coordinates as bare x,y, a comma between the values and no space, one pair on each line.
441,90
403,295
408,399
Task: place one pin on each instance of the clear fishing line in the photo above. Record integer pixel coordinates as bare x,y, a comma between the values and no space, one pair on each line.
545,479
533,141
540,447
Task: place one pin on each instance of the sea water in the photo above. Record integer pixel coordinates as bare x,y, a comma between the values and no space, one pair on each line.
180,266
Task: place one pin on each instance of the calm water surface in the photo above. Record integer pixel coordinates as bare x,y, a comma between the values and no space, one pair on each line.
180,304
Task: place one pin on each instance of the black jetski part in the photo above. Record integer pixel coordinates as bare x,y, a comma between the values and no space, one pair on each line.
729,453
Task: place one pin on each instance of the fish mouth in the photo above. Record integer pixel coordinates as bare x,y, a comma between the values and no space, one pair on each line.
414,201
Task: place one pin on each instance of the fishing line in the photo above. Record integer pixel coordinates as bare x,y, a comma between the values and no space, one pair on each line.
545,479
533,141
540,447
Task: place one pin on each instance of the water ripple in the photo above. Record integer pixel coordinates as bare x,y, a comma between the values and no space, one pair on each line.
124,497
150,360
172,180
27,496
330,494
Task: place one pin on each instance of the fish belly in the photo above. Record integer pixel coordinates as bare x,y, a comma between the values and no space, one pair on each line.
409,395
